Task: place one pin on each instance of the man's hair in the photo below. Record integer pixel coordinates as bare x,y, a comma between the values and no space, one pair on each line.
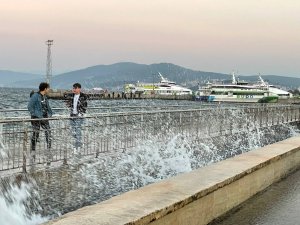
76,85
43,86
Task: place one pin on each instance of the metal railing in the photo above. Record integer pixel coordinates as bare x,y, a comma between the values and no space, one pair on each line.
119,131
11,112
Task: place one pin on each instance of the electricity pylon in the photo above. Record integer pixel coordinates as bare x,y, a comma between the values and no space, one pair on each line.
49,62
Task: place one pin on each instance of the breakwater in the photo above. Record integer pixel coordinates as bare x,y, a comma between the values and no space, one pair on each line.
62,94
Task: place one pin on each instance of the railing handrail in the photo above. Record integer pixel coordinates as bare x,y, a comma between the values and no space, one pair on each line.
130,113
102,107
95,115
152,106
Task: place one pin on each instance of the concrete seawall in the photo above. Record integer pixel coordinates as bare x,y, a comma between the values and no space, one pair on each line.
197,197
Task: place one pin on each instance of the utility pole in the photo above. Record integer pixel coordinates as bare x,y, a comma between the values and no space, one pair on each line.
49,62
153,74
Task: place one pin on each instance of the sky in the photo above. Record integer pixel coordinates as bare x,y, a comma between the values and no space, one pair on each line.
249,36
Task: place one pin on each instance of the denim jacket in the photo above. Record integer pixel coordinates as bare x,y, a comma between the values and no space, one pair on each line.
35,106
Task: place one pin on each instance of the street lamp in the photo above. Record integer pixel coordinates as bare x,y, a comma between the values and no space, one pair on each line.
153,81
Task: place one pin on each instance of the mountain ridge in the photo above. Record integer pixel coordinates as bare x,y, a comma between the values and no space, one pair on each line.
114,76
8,77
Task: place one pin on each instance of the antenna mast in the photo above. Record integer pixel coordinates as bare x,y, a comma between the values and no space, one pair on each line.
49,62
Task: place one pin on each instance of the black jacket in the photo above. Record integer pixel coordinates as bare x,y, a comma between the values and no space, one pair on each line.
81,105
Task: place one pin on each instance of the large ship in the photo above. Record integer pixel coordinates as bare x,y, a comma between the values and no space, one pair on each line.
164,87
241,91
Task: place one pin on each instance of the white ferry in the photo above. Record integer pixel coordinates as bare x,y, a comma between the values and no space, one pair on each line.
282,94
241,91
164,87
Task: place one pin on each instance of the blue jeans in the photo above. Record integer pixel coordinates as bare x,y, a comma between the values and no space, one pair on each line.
76,123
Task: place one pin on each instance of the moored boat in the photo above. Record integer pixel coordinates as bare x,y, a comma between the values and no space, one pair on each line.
164,87
240,91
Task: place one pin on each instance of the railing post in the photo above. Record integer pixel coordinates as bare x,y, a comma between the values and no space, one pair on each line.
25,137
267,116
198,125
209,124
248,117
221,123
273,112
179,117
254,116
260,117
278,115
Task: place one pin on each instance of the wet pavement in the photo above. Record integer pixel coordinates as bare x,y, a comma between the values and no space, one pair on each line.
278,205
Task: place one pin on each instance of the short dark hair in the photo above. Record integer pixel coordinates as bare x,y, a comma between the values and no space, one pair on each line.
76,85
43,86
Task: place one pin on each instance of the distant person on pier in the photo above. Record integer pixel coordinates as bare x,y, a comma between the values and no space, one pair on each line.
39,108
77,104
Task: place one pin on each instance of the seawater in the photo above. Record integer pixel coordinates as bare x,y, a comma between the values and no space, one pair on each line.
150,161
14,205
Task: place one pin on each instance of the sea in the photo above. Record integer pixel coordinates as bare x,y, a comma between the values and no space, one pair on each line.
126,172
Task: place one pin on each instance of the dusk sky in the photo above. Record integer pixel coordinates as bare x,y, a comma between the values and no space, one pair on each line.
251,36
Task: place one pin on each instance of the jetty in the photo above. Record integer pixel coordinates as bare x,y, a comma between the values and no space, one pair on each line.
94,95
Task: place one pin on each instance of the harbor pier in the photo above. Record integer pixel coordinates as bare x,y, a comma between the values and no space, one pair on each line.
92,95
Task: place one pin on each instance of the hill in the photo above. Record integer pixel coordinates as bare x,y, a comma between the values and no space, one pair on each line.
8,78
114,76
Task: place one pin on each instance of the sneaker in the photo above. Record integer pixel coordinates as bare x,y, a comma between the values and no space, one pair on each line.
65,162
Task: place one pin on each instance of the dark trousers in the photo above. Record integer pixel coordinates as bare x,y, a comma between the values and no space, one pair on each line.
36,125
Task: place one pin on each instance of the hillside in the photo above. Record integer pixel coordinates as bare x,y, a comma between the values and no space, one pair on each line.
114,76
8,78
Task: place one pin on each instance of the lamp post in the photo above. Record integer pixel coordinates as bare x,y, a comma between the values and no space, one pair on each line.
153,74
152,82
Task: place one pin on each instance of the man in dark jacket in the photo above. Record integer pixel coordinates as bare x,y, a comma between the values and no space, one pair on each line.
39,108
77,103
